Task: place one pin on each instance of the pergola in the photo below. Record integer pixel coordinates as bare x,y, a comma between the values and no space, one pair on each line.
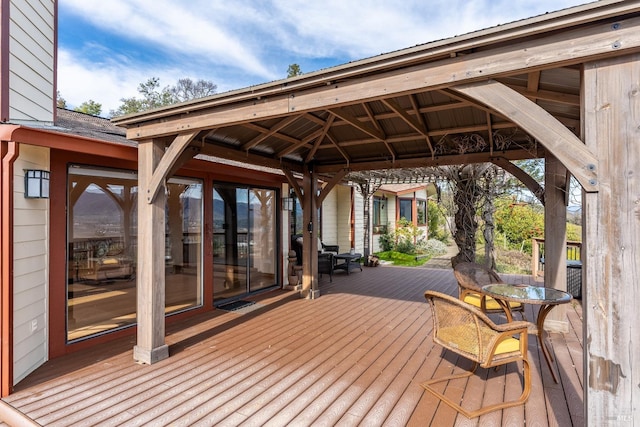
564,86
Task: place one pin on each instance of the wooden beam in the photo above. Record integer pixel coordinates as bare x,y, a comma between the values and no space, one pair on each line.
264,130
416,162
271,132
414,122
293,182
339,148
167,163
310,237
376,124
189,153
355,122
547,95
533,81
555,239
305,141
522,176
150,272
226,152
411,121
611,242
320,138
541,125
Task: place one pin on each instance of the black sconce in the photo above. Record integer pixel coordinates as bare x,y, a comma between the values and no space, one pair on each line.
36,184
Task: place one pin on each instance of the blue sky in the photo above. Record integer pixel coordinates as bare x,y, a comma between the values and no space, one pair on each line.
107,48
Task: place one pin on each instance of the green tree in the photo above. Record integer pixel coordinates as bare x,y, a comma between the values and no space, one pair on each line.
518,223
187,89
293,70
435,220
60,101
89,107
153,96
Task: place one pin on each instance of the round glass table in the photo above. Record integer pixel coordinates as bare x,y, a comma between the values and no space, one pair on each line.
546,298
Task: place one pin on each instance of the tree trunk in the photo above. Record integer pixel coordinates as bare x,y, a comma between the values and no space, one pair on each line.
487,215
466,199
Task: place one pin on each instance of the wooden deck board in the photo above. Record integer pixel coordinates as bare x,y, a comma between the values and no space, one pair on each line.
355,356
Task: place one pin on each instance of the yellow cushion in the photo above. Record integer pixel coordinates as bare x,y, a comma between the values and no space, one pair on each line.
109,261
491,304
508,345
464,337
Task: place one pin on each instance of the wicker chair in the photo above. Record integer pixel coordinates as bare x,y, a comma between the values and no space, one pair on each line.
471,278
468,332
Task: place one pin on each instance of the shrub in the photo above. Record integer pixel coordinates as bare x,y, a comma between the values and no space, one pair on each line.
518,223
433,247
406,247
436,221
387,242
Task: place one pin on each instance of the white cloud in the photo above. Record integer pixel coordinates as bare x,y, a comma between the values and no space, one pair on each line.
106,83
179,28
243,42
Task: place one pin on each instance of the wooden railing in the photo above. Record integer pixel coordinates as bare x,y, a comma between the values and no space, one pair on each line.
574,253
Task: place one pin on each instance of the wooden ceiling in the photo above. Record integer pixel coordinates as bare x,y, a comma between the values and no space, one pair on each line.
404,109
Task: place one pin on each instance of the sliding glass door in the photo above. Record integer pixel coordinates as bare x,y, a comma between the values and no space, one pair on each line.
244,240
102,248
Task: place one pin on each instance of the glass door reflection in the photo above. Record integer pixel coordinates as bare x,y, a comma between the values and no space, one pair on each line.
230,228
244,240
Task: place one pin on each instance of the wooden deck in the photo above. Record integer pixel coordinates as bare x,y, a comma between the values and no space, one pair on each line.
354,356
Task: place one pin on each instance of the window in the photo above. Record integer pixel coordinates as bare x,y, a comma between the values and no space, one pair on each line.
406,209
379,215
421,207
102,249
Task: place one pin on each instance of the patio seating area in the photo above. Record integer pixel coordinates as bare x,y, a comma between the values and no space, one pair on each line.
355,356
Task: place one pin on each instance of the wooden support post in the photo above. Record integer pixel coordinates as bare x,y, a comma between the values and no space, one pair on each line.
310,237
555,238
151,345
611,242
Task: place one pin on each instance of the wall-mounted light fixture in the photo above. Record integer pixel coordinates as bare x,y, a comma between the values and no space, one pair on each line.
36,184
287,203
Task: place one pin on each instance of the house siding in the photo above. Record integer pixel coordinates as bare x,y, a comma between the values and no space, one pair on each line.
329,230
31,61
31,266
343,217
358,232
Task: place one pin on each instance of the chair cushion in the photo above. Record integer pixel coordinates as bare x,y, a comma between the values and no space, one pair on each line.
507,346
490,303
463,337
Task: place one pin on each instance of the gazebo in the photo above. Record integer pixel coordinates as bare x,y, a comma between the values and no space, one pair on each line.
564,86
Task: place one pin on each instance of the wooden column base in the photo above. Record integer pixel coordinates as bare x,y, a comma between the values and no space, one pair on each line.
310,293
149,357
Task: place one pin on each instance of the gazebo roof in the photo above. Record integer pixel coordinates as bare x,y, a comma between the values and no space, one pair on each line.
404,109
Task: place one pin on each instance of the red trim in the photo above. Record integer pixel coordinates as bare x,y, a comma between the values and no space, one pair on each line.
5,7
10,152
60,141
